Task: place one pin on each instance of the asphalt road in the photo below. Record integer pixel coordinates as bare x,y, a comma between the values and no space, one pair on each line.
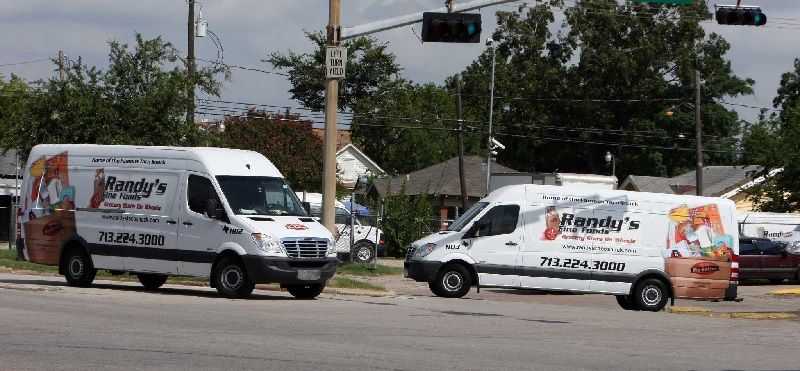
45,325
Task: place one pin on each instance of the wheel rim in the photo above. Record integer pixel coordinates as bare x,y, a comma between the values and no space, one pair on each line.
232,278
452,281
364,254
651,296
76,266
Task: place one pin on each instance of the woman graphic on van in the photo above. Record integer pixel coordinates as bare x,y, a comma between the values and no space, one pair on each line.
552,223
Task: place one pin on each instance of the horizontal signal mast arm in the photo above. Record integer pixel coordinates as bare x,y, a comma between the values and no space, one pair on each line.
409,19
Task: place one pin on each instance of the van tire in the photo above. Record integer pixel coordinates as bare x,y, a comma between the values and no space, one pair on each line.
231,280
151,281
363,252
650,295
305,292
78,267
625,302
452,281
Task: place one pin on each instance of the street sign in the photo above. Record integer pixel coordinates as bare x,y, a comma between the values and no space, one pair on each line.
335,61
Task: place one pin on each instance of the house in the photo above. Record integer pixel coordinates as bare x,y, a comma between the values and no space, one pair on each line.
729,182
343,137
441,183
351,163
8,191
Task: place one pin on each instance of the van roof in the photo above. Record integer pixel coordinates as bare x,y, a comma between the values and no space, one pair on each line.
217,161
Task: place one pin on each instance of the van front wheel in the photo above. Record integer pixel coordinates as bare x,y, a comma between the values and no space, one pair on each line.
650,295
625,302
453,281
151,281
231,280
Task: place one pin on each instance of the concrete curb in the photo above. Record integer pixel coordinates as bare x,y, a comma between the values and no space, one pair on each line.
697,311
786,292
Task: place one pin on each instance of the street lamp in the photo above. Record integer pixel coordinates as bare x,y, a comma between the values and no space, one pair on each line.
611,161
490,43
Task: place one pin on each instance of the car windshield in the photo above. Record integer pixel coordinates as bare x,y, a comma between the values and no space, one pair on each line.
250,195
466,217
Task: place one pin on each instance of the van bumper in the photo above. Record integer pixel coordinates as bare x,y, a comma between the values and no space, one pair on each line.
262,269
421,270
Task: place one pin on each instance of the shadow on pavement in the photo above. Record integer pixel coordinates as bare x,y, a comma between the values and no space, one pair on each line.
161,291
531,292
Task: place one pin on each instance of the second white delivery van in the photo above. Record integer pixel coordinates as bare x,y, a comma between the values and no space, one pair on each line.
645,248
157,211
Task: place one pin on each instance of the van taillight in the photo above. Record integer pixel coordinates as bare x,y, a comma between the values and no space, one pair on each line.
735,269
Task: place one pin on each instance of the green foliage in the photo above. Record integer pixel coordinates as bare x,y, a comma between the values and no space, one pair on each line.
367,270
286,140
406,219
140,99
350,283
369,66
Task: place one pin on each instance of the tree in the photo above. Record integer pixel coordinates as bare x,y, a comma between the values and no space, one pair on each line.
369,66
405,220
287,140
774,142
140,99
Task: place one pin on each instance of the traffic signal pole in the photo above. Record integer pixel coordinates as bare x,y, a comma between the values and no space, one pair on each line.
698,127
331,107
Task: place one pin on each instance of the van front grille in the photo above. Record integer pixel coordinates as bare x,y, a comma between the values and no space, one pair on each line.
305,247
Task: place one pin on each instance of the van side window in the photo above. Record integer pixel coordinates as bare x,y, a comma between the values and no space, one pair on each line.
499,220
200,190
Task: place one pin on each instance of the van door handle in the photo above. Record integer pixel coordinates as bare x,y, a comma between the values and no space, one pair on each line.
171,222
187,223
511,243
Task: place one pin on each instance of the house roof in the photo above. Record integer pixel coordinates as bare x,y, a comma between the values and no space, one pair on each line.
442,179
362,157
717,180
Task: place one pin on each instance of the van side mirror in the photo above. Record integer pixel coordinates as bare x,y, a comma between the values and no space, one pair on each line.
306,207
214,210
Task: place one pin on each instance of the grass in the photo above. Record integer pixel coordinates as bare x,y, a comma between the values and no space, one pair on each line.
8,259
366,270
349,283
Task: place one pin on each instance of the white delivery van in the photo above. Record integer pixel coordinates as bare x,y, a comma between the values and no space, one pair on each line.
642,247
157,211
781,227
367,239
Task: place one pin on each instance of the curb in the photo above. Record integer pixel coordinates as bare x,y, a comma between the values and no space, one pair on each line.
697,311
786,292
335,291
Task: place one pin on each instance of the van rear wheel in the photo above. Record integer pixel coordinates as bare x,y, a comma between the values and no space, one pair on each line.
231,280
78,268
650,295
453,281
151,281
305,292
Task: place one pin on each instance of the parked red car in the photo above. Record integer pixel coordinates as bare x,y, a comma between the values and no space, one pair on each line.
761,258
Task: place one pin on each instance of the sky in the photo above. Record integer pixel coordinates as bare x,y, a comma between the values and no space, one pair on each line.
252,29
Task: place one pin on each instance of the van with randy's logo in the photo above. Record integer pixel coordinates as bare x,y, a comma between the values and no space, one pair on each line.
644,248
224,214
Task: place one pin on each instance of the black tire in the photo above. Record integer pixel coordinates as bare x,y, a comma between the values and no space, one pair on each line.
452,281
650,295
78,268
363,252
151,281
231,280
306,292
625,302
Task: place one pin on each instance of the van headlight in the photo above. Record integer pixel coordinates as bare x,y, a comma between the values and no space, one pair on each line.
266,243
424,250
331,248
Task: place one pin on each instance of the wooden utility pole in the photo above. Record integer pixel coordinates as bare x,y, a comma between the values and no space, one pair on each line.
190,64
61,65
698,132
331,107
461,149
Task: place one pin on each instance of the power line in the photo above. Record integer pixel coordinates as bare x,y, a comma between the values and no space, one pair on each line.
25,62
254,69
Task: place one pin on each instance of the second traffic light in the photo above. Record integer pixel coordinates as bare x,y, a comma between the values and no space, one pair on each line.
451,27
744,16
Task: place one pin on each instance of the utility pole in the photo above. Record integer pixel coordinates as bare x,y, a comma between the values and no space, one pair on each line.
331,106
190,64
698,132
461,148
61,65
489,143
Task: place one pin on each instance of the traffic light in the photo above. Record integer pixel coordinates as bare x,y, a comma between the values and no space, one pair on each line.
743,15
451,27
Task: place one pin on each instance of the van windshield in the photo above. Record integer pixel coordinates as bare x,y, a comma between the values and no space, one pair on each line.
251,195
467,217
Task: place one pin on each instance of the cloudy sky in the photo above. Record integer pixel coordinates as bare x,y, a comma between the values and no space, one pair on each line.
251,29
